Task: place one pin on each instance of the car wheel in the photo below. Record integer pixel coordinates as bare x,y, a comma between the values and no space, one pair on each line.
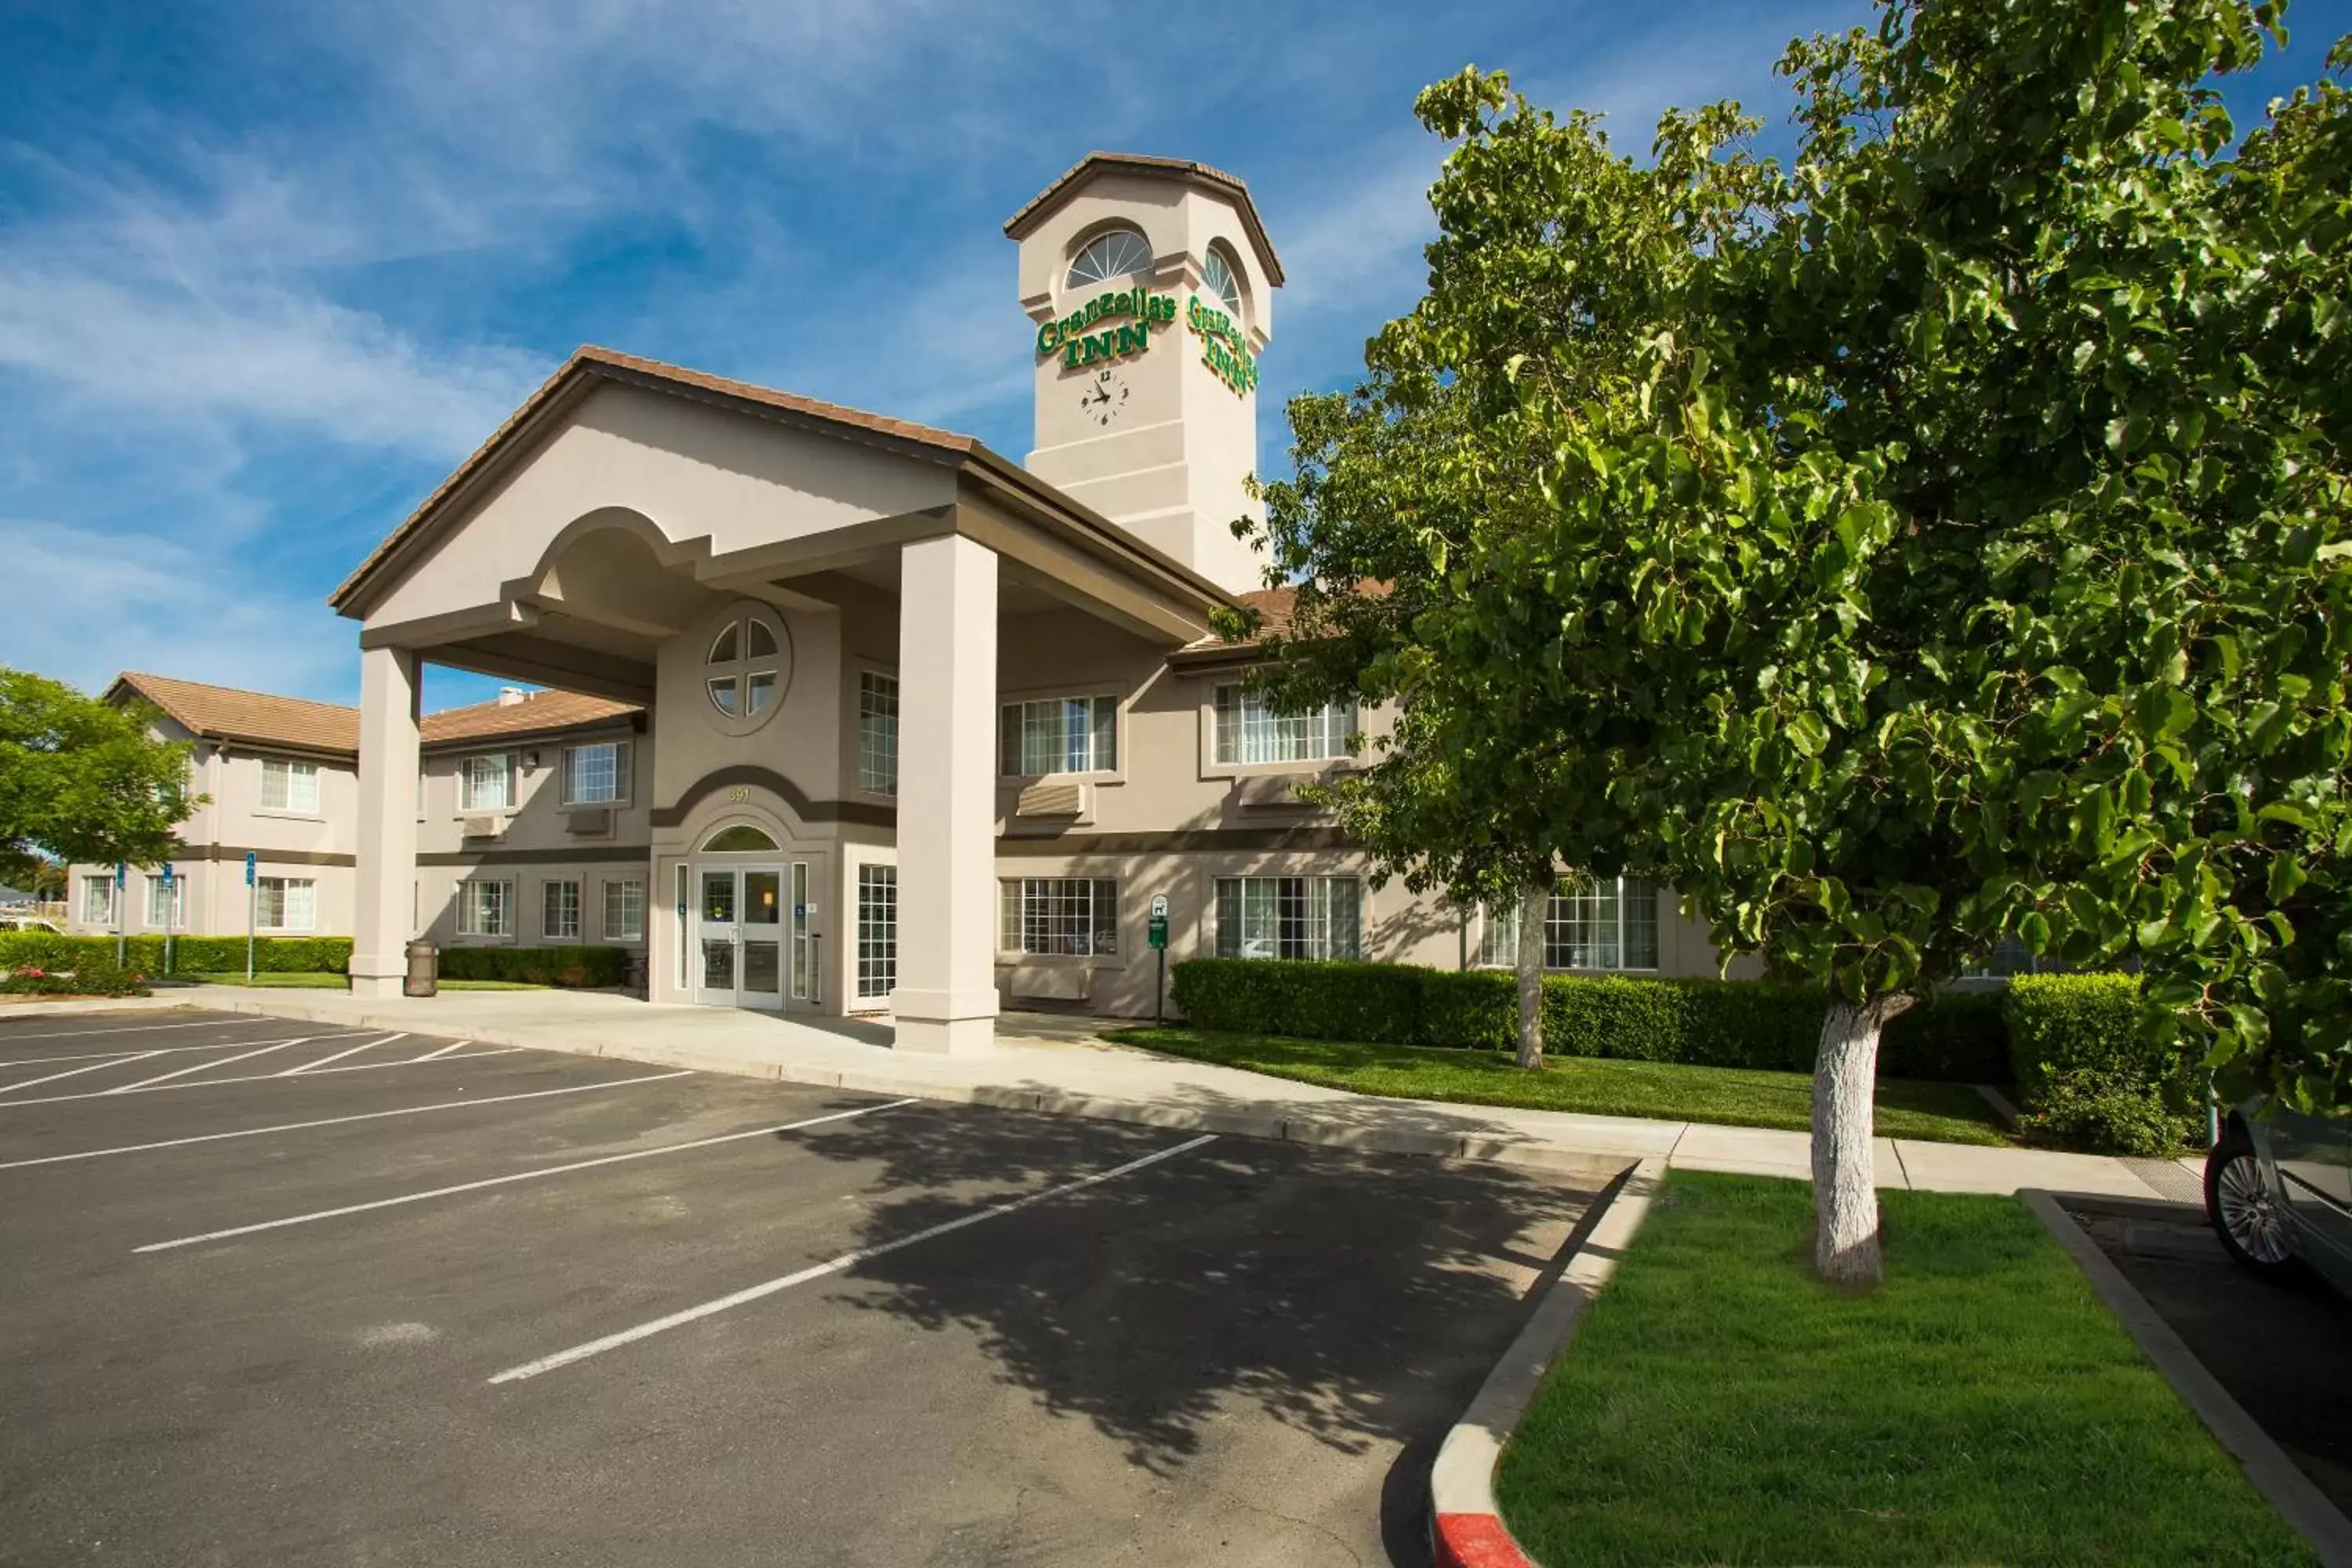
2246,1213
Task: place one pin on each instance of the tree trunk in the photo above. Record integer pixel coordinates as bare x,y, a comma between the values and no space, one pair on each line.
1534,907
1845,1186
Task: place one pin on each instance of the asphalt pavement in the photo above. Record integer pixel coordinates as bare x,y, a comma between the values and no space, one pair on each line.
290,1293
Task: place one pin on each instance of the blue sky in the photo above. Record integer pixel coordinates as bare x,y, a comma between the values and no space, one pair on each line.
267,271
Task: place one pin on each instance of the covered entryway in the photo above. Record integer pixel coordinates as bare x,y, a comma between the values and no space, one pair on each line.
750,942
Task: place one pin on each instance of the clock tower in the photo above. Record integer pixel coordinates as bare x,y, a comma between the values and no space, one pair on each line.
1151,282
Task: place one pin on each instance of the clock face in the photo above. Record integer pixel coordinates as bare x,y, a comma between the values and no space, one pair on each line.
1104,397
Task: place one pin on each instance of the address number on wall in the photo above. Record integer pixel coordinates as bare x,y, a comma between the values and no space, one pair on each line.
738,794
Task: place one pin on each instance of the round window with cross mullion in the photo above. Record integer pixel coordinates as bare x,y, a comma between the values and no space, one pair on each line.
745,668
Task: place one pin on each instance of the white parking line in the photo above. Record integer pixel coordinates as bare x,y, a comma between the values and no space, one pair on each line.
831,1266
456,1046
338,1055
120,1051
517,1176
338,1121
435,1056
207,1066
123,1060
150,1087
8,1033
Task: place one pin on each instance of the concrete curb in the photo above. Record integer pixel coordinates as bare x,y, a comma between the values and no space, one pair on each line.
1466,1524
2302,1504
1284,1126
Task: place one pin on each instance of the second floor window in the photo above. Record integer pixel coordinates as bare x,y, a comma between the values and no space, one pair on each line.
1060,735
289,786
486,784
1250,731
877,732
596,774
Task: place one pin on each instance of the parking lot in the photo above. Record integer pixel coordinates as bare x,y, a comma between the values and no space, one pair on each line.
280,1293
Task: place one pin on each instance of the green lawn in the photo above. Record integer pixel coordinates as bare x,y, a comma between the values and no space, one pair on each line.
322,980
1719,1406
1907,1108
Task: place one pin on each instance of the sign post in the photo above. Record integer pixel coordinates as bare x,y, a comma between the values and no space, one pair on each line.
121,880
1157,934
251,892
170,909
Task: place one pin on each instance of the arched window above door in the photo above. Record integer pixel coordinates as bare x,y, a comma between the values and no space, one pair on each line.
738,839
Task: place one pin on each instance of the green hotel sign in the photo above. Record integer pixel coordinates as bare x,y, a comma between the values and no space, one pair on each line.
1072,339
1222,348
1125,318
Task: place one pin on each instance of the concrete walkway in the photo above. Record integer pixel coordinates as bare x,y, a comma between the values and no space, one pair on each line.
1046,1063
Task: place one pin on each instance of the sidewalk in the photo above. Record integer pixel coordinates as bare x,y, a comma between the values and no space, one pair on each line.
1047,1063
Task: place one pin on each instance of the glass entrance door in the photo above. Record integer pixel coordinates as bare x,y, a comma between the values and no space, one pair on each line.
739,936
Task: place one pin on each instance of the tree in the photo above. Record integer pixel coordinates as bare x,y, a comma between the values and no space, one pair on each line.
81,779
1954,548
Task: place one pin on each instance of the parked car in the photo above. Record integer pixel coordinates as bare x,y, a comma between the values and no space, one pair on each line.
2278,1188
29,922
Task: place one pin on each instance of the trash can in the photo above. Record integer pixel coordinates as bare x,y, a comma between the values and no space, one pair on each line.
423,970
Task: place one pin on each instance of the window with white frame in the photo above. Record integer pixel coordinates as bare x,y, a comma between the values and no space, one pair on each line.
744,665
1248,731
624,910
1060,735
485,908
288,784
1108,256
1217,277
98,900
167,902
1288,917
487,783
559,910
878,930
877,732
1063,916
285,903
596,773
1610,924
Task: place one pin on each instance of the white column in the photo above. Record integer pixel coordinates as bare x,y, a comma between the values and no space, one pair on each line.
381,924
946,994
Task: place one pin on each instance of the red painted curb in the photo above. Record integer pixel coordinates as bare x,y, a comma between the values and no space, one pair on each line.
1477,1540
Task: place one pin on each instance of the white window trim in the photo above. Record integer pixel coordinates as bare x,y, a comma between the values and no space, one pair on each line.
1091,694
605,886
458,924
578,909
283,877
1021,955
1212,768
318,788
1486,921
466,785
625,763
177,919
857,732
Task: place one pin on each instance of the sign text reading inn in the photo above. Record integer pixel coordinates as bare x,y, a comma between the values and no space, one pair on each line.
1078,347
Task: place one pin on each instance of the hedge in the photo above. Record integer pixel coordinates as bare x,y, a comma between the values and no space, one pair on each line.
190,954
573,966
2092,1071
1712,1023
89,977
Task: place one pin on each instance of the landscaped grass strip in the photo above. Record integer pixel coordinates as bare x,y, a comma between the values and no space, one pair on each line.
1737,1097
1719,1406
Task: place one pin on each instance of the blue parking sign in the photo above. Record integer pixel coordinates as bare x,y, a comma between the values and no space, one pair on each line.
248,867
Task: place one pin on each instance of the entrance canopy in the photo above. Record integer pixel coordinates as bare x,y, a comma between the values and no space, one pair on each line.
626,495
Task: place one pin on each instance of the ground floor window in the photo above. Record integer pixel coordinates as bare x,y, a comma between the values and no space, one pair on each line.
1288,917
1610,924
559,911
624,910
167,903
1073,916
485,908
285,903
97,900
878,930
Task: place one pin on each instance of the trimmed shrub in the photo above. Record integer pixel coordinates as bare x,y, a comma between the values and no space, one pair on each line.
89,977
1767,1024
573,967
2091,1072
190,954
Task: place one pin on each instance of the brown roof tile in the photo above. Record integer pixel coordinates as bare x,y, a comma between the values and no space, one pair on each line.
1036,210
297,723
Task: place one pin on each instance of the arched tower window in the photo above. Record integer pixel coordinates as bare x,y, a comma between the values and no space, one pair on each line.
1217,277
1116,254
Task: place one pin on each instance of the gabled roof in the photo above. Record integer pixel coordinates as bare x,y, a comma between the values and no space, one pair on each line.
298,724
1042,206
590,365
